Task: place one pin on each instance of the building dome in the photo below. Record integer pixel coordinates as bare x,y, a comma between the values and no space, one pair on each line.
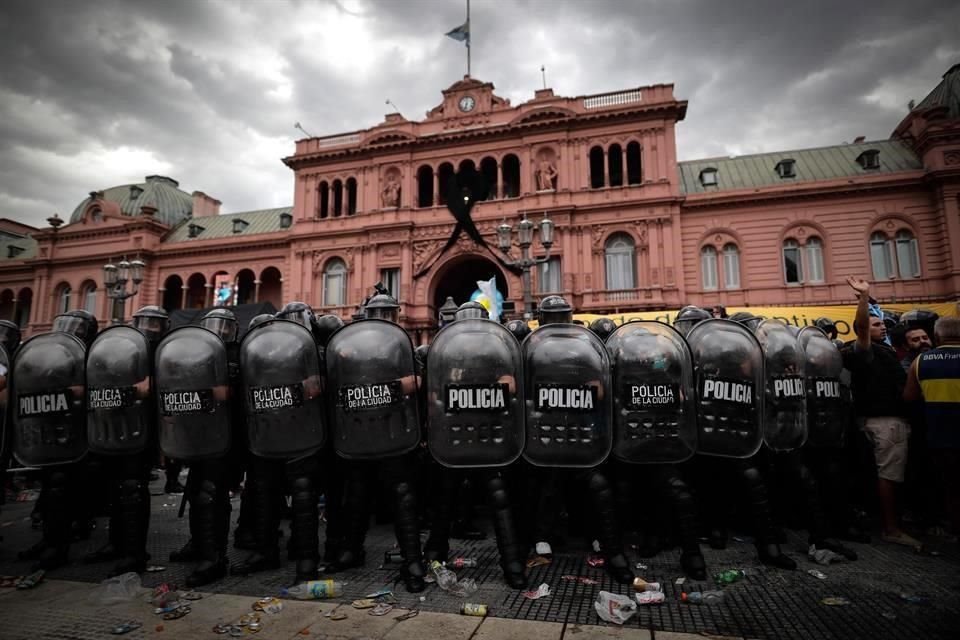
173,205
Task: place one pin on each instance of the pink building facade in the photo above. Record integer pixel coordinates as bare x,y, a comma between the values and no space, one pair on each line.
635,229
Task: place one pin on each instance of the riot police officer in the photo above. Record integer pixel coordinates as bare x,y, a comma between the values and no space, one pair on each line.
121,427
372,394
474,407
569,426
689,316
50,424
9,341
196,380
286,424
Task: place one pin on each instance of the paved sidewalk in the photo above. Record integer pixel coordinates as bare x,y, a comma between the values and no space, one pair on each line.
64,609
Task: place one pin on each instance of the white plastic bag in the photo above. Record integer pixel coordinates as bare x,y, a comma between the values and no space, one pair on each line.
613,607
117,589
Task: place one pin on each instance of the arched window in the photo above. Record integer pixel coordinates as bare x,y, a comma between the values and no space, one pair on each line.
881,255
324,206
620,262
731,266
708,267
425,186
634,170
511,176
337,198
63,299
488,167
596,168
813,254
90,298
335,283
444,176
351,196
792,262
615,162
908,255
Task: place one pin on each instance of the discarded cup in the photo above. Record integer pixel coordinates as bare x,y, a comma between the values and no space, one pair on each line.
639,584
650,597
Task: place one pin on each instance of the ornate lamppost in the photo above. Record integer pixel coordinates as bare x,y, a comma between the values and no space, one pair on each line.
115,278
525,262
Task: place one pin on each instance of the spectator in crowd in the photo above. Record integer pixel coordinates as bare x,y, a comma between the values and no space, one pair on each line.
719,311
934,379
915,342
877,381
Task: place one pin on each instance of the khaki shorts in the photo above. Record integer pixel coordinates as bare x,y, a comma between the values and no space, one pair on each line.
888,435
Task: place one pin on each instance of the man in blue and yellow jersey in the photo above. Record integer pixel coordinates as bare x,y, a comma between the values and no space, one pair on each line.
934,378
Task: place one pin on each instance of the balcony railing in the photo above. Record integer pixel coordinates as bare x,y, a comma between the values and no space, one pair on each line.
613,99
336,141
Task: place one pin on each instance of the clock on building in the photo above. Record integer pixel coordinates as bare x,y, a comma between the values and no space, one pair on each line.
467,103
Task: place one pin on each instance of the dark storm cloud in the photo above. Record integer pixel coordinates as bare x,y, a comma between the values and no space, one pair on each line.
102,93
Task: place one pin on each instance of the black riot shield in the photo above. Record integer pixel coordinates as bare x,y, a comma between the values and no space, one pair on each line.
785,405
193,392
828,399
372,390
728,368
48,393
567,391
118,392
280,367
474,395
5,377
654,405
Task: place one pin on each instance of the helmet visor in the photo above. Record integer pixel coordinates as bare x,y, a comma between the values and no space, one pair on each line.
226,328
71,324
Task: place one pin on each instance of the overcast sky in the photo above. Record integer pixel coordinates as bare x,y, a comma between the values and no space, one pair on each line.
95,94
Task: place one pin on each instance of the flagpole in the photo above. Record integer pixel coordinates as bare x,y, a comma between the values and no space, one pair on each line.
468,38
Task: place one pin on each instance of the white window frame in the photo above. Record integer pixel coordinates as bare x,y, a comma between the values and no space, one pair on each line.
708,268
335,271
731,266
813,258
390,278
793,246
620,249
908,251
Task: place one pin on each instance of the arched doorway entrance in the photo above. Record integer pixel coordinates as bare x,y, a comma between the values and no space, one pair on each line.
458,278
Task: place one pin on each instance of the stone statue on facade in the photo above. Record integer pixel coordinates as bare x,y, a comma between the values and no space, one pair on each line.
546,175
390,194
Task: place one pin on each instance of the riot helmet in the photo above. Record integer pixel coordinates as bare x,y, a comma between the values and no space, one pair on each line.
258,320
828,326
688,317
471,310
603,327
554,310
152,321
325,327
9,336
223,323
743,317
920,319
890,319
519,328
77,322
383,306
299,312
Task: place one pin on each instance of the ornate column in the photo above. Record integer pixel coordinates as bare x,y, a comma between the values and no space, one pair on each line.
183,295
500,185
256,290
436,188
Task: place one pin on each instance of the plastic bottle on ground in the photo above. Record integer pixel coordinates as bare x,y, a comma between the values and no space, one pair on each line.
702,597
729,576
446,579
314,590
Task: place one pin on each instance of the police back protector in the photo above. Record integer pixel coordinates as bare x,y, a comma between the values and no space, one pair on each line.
474,395
654,406
50,425
192,381
828,399
785,404
280,367
567,389
119,385
372,390
728,369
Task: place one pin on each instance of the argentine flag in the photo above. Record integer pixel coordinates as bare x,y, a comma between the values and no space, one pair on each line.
461,33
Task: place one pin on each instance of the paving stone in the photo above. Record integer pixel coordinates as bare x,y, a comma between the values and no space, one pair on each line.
606,632
500,628
673,635
435,625
358,624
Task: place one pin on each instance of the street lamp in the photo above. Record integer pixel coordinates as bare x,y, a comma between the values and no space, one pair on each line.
115,278
525,262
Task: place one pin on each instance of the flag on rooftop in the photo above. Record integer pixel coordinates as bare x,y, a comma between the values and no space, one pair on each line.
461,33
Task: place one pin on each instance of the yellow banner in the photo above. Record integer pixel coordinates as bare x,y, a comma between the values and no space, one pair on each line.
842,315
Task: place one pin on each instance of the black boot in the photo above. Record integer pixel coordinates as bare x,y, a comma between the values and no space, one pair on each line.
305,521
691,558
265,560
608,530
408,537
56,524
207,537
134,500
258,508
767,547
835,546
354,517
186,553
505,528
693,564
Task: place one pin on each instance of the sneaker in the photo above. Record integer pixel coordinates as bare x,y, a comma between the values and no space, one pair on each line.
901,538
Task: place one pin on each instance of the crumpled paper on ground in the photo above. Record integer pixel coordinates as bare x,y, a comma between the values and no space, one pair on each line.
823,556
540,592
613,607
